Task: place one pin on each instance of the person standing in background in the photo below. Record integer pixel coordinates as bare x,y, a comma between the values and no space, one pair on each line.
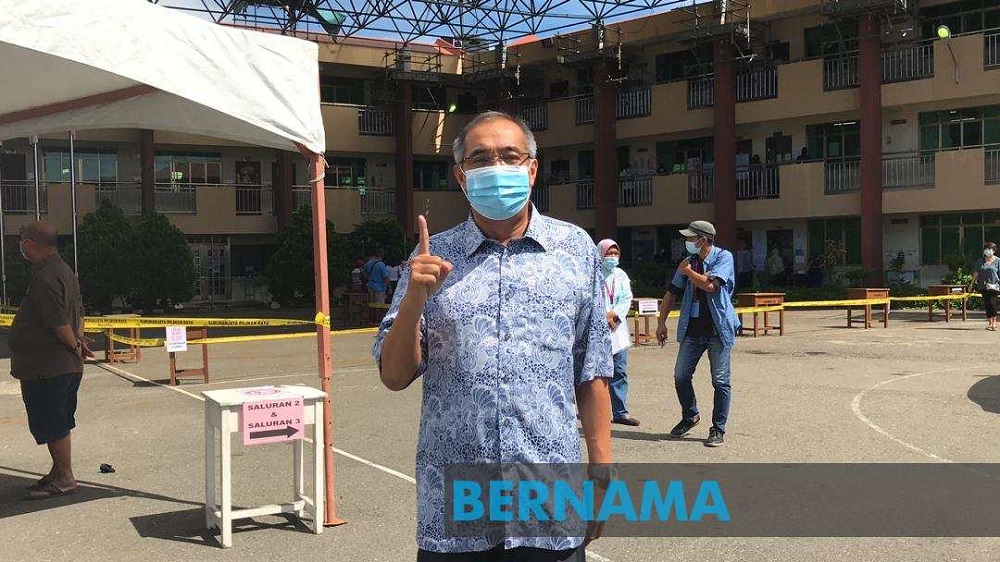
617,302
744,267
986,274
377,275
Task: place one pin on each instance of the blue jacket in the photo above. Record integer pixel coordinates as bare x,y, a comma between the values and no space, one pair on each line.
719,267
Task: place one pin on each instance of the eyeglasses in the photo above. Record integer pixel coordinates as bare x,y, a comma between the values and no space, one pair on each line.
482,160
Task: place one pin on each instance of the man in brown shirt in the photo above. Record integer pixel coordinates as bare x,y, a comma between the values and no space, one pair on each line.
47,350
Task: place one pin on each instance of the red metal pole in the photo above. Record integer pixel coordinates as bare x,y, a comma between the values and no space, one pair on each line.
317,170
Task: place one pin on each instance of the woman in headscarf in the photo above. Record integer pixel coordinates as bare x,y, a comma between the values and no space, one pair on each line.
617,302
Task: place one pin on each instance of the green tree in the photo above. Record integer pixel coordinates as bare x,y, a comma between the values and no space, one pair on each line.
18,271
386,234
163,264
290,274
106,255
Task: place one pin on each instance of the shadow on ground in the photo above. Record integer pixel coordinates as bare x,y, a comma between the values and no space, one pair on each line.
986,393
188,526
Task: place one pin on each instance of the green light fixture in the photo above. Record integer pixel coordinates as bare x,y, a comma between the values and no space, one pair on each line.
943,32
452,108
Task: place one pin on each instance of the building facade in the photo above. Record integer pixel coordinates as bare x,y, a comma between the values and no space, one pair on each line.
813,122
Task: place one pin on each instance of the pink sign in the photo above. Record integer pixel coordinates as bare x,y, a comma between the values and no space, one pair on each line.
272,419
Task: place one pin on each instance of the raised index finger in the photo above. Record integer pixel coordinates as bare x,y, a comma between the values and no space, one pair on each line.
425,240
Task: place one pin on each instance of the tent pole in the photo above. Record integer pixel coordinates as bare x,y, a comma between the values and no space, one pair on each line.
72,190
317,170
34,146
3,235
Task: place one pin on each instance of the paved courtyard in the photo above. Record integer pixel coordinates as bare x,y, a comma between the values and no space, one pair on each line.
915,392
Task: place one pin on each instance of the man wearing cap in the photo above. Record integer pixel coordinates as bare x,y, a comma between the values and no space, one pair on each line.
704,282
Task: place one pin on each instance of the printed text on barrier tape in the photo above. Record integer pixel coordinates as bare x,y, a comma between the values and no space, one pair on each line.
159,342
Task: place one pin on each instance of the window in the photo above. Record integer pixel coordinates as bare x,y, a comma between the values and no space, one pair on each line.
845,231
831,39
432,175
98,167
188,169
585,164
684,64
968,16
956,237
559,171
956,128
684,155
584,81
467,102
834,140
778,149
559,89
431,98
345,172
340,89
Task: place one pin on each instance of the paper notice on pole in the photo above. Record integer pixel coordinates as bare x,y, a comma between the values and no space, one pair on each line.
620,338
177,339
271,415
648,307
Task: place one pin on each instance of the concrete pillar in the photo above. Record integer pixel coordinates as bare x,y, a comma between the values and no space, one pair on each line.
870,64
605,152
282,185
147,171
404,158
725,145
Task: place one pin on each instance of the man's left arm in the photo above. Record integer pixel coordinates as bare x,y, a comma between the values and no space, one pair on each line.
593,370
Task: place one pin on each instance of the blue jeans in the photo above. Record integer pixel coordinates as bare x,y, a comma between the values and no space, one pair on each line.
692,348
619,385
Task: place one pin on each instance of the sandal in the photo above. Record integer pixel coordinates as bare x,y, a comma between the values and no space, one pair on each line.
41,482
49,490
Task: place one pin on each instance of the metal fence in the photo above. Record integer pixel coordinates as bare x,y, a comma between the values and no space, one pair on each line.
992,159
701,92
701,186
911,62
585,194
374,121
908,170
757,84
584,110
173,199
757,182
991,50
127,197
536,116
840,72
842,176
254,200
540,198
635,192
378,202
19,196
637,102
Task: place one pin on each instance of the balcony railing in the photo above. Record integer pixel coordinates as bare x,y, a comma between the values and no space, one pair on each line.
176,199
584,110
540,198
908,170
301,196
842,176
991,50
757,182
378,203
841,72
634,103
254,200
19,196
635,192
373,121
585,194
701,186
536,116
757,84
992,159
126,196
701,92
912,62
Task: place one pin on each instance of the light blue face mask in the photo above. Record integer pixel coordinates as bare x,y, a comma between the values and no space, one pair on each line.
498,192
609,263
691,247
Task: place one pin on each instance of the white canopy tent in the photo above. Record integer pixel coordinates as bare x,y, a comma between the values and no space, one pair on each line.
79,64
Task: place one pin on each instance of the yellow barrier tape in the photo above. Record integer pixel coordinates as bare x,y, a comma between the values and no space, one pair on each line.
846,302
962,296
159,342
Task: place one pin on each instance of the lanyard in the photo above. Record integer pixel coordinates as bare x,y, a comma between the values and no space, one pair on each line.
611,290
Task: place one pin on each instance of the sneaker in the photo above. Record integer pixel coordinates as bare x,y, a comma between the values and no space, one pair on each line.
626,421
684,426
715,438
